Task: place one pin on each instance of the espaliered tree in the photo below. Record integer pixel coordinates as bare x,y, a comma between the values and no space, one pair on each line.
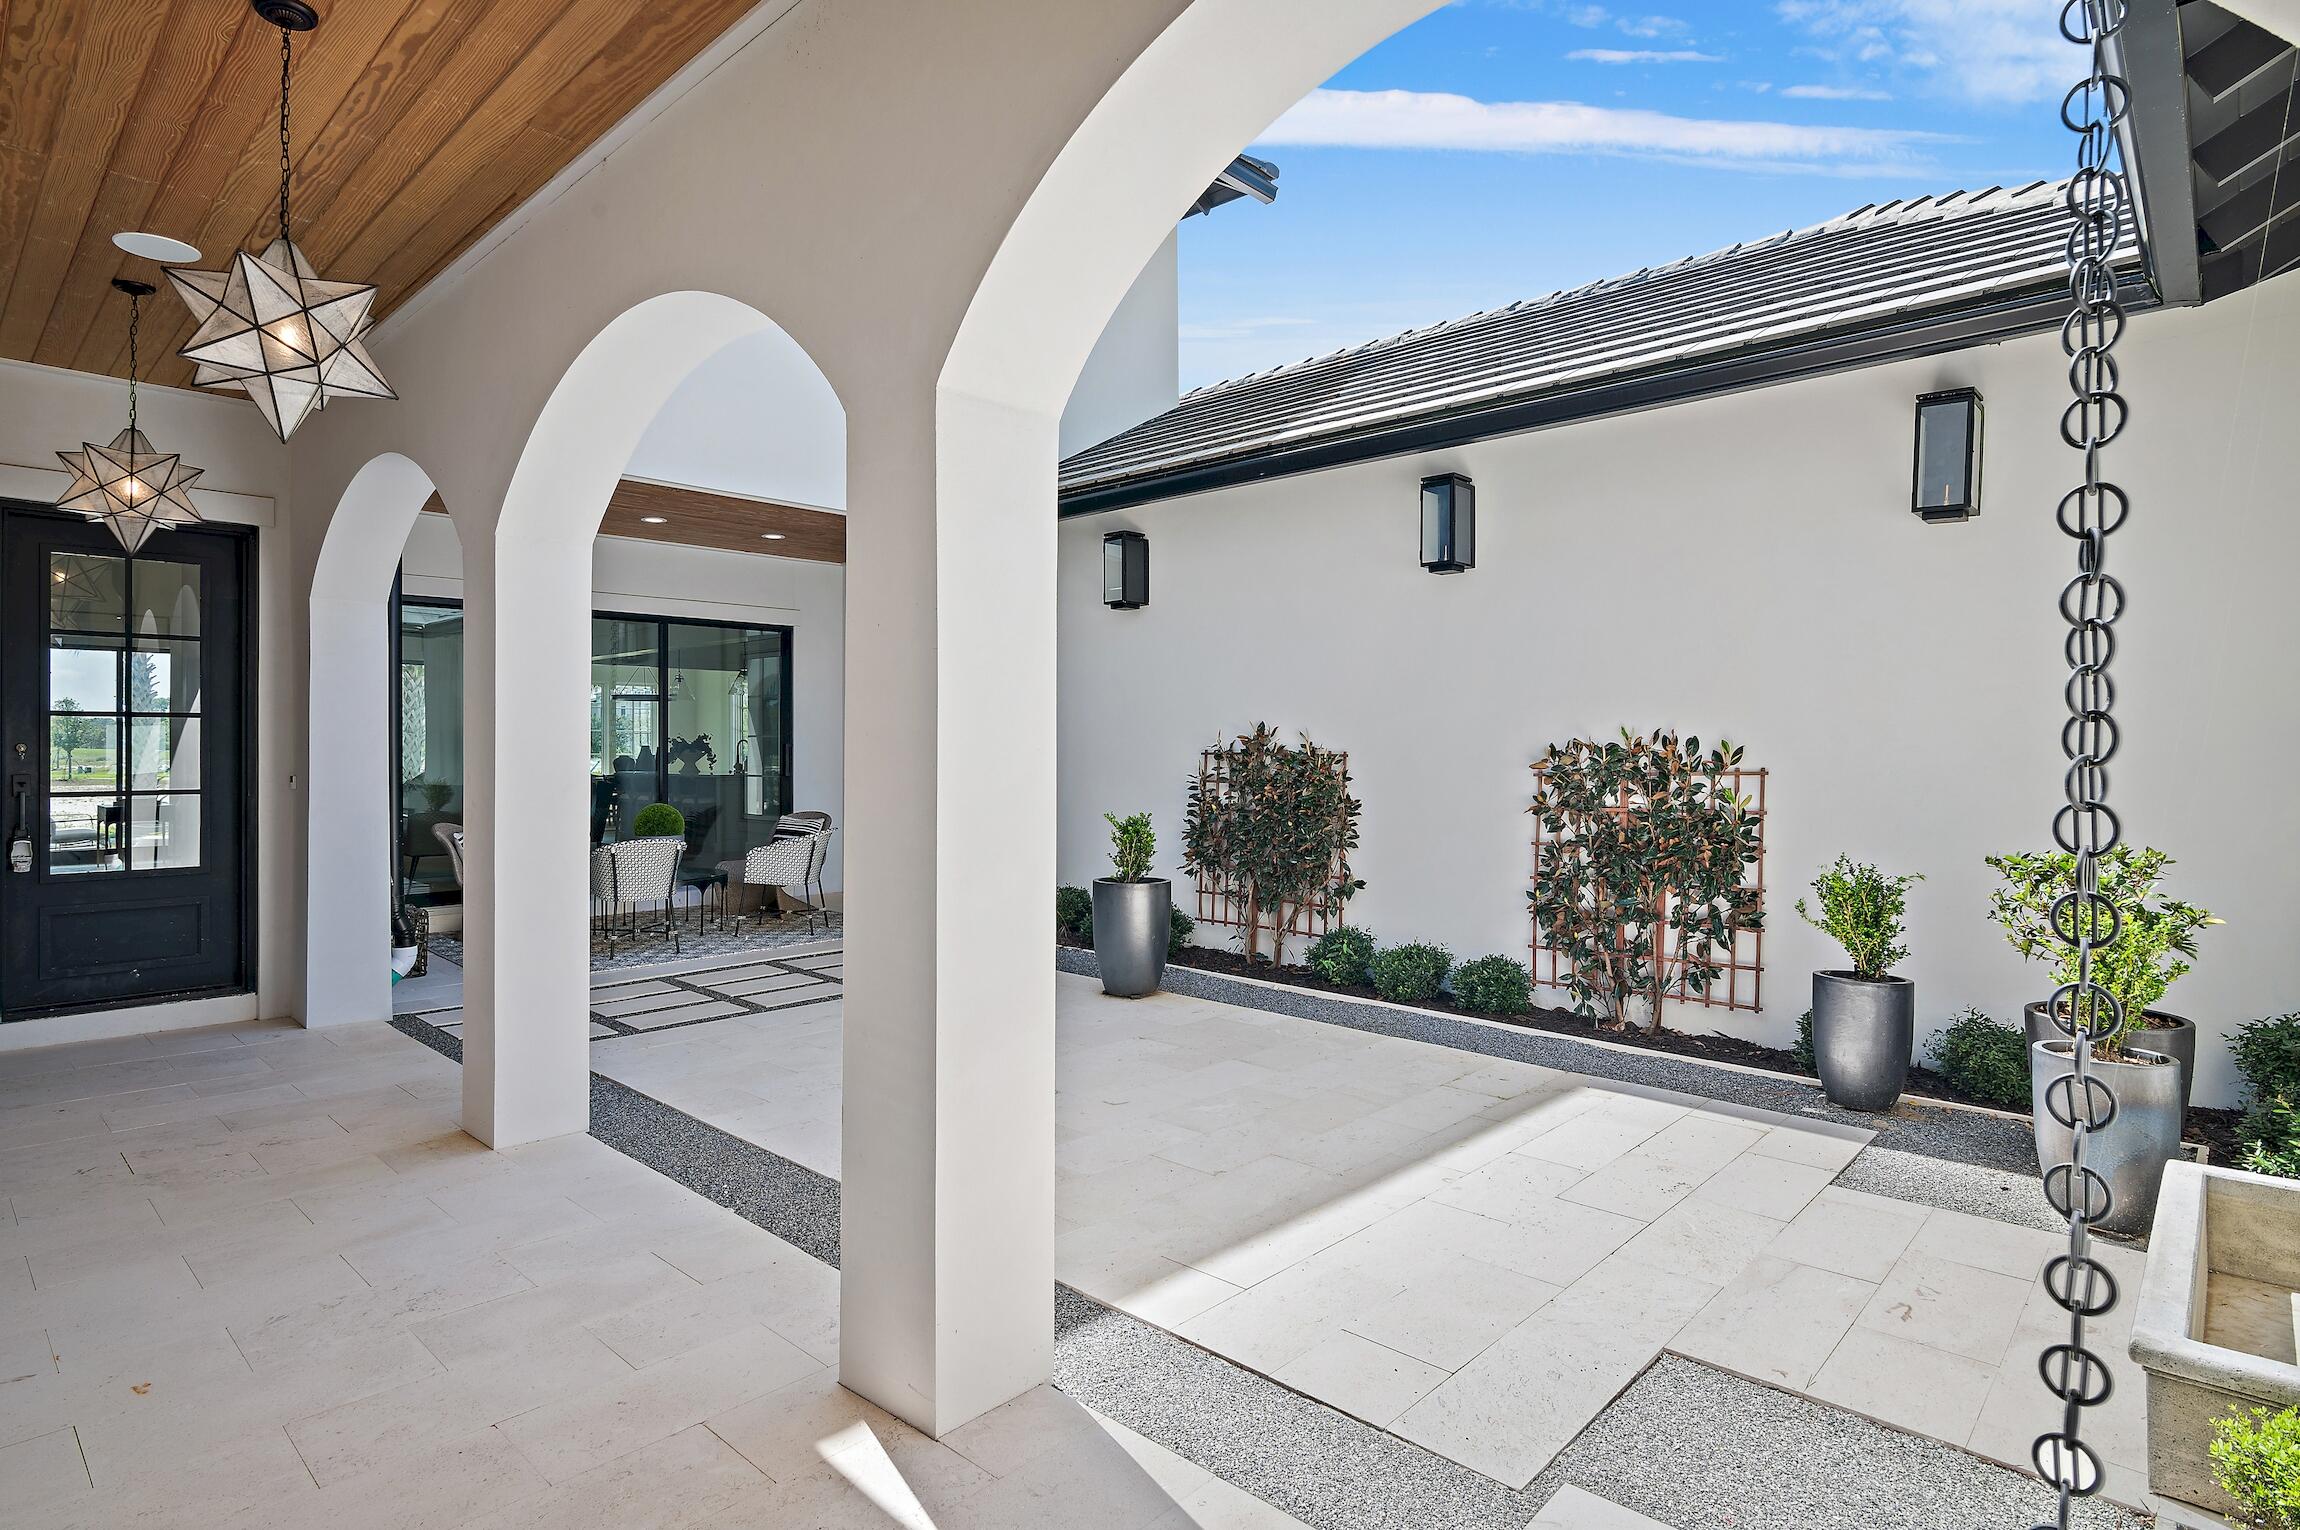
1641,881
1272,826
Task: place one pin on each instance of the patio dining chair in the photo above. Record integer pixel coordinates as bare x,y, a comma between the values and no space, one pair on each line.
791,862
450,835
631,876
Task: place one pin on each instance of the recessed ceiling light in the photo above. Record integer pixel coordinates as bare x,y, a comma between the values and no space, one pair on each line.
772,536
654,520
159,247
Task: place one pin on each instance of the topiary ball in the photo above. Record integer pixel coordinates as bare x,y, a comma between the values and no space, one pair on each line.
656,820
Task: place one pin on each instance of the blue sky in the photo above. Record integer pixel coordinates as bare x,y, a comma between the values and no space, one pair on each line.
1502,149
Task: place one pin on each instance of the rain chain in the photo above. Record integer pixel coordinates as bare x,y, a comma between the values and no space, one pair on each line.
2085,826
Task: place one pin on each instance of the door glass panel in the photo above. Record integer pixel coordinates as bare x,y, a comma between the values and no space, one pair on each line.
164,676
83,835
626,721
430,747
83,673
167,599
83,753
164,753
87,592
164,832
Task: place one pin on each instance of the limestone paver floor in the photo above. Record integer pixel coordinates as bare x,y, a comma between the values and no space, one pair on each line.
255,1277
1472,1253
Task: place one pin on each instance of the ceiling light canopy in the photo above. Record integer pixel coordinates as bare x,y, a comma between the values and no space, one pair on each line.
129,486
269,326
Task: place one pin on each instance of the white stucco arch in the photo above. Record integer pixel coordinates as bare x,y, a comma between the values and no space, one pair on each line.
943,204
348,870
527,646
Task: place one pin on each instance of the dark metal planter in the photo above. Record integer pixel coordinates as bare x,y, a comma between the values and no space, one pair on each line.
2177,1040
2131,1151
1863,1030
1132,923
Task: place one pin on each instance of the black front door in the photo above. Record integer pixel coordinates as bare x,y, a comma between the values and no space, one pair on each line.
124,740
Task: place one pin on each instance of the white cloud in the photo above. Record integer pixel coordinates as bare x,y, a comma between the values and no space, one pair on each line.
1834,93
1644,56
1653,26
1986,52
1406,119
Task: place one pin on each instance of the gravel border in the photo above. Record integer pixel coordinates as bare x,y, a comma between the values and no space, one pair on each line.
1681,1443
1912,1127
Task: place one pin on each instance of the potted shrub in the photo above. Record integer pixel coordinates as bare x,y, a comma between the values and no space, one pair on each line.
1133,911
1864,1018
2256,1461
2147,1056
658,820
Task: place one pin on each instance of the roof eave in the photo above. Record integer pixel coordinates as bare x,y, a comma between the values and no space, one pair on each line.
2006,316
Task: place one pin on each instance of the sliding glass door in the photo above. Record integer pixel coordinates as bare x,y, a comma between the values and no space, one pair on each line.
693,713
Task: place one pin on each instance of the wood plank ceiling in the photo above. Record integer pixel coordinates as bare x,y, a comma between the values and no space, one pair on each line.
661,512
419,124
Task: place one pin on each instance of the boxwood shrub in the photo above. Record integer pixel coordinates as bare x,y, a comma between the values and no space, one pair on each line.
657,819
1074,912
1985,1060
1342,954
1493,985
1409,974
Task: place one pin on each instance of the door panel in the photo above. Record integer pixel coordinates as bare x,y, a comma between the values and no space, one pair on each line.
123,734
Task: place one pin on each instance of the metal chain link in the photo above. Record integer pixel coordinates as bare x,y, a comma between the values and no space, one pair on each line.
135,323
2086,827
286,165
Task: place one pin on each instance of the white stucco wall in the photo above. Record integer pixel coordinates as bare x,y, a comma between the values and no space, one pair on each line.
1135,369
44,410
666,579
1747,567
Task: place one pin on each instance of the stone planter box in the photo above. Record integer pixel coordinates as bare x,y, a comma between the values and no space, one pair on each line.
2213,1328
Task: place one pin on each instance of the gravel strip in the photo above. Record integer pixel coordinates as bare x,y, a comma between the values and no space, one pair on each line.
1974,1188
1958,1136
1696,1448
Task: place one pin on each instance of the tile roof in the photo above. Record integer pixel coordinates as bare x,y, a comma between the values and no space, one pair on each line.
1881,266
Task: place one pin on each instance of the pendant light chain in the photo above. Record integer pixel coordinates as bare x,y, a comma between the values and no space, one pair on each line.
286,164
2086,827
135,324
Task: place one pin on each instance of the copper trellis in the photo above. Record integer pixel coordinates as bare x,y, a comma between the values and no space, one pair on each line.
1741,966
1221,904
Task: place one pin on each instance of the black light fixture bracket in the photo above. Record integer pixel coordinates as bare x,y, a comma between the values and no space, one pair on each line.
287,15
132,287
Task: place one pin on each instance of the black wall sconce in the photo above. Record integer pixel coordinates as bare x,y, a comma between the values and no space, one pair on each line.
1125,570
1948,473
1449,524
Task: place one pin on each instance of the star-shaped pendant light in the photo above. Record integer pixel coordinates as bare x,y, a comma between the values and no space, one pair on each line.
269,327
127,485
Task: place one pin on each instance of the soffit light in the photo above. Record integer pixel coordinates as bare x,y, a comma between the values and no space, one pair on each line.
269,327
127,485
159,247
655,520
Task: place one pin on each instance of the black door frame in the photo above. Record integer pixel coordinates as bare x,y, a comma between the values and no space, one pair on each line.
243,540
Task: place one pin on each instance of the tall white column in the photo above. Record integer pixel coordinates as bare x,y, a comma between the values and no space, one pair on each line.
347,822
526,978
947,1280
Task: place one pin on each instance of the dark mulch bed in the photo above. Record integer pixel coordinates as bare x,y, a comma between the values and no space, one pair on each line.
2215,1128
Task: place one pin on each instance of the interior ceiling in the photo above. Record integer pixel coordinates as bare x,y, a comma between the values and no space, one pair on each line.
419,124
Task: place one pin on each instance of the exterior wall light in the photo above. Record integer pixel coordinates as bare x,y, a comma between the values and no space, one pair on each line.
1948,473
1125,570
1449,524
